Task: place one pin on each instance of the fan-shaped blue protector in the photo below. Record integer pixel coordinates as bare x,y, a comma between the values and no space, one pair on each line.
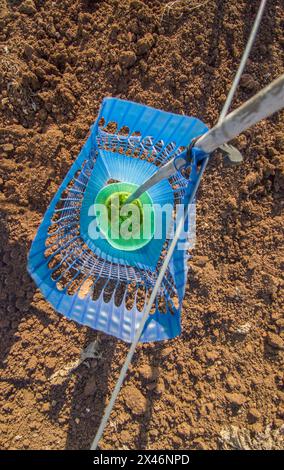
69,266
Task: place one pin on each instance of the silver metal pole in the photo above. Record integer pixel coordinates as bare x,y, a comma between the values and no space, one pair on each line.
266,102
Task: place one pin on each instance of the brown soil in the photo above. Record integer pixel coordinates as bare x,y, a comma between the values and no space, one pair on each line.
219,385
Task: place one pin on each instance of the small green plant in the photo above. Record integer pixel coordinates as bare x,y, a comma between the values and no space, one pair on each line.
126,226
115,204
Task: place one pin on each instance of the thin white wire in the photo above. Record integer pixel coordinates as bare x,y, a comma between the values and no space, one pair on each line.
179,229
244,59
144,318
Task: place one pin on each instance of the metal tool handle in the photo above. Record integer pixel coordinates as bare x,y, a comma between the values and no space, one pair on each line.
269,100
165,171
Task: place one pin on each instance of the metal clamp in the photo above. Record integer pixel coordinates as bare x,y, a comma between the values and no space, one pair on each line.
232,156
190,147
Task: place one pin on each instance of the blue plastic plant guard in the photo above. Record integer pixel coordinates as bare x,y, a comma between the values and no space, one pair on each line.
82,275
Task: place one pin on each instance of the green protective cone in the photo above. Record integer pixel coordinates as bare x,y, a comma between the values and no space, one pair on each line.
125,226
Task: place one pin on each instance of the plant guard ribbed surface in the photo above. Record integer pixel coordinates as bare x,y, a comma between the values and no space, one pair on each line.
98,281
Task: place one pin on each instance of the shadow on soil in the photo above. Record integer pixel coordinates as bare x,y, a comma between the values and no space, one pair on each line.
93,389
17,288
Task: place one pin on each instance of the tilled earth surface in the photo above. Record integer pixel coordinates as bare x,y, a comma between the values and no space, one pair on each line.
220,384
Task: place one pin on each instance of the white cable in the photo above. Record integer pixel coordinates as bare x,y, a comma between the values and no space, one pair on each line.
243,61
146,314
179,230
